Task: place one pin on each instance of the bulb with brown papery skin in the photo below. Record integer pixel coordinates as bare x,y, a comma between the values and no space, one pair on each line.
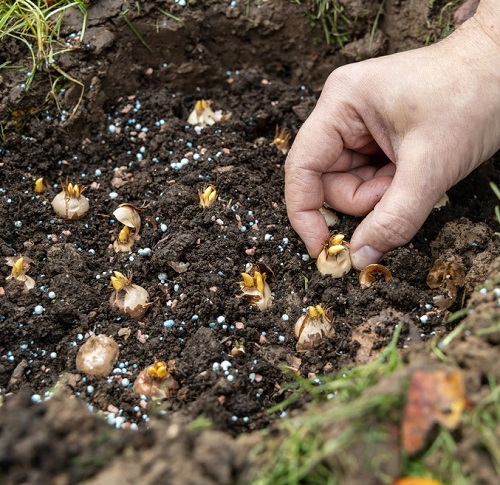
312,327
71,203
156,381
367,275
129,298
204,115
334,259
97,356
447,275
255,288
20,266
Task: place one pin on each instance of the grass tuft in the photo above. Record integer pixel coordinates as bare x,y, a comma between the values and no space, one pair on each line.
337,26
350,382
303,455
140,38
443,25
356,427
37,26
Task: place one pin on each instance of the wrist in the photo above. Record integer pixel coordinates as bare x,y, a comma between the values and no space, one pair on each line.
476,42
487,19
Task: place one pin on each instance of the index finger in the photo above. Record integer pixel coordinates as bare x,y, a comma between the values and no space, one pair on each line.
316,148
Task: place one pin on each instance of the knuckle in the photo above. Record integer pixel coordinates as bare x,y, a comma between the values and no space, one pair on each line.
344,76
393,229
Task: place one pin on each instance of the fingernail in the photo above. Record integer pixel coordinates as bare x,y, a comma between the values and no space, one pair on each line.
364,256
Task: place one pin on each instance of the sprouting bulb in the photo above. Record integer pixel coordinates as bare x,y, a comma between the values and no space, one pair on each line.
255,289
282,140
334,259
70,203
204,115
128,297
207,196
156,381
128,215
312,327
20,266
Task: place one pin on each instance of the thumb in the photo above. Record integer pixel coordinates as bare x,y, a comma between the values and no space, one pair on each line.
398,215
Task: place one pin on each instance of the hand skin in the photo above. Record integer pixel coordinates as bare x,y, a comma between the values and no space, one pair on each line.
389,136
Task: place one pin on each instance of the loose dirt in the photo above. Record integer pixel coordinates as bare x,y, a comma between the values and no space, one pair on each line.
129,142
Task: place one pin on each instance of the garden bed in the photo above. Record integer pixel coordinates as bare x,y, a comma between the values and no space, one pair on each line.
128,141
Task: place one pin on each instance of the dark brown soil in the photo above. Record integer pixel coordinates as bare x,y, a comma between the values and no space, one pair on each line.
264,66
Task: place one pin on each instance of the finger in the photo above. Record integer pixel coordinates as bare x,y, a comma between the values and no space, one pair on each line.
350,160
304,197
351,194
369,172
316,148
398,216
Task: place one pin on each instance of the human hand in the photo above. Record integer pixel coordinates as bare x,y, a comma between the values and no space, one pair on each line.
389,136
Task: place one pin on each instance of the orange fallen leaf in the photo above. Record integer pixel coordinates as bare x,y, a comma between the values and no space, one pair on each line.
415,481
433,397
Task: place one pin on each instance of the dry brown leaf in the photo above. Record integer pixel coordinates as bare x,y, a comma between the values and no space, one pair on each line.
436,396
447,275
368,276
